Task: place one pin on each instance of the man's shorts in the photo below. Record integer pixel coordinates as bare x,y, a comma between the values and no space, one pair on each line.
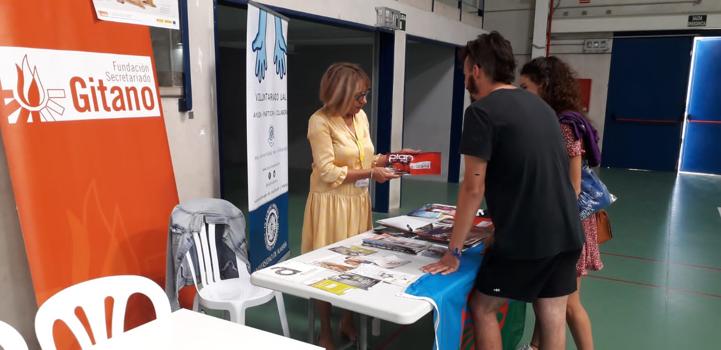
528,280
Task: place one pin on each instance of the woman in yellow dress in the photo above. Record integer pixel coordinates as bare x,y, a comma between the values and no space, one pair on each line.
338,204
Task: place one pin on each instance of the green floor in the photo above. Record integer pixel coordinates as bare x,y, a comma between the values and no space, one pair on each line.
660,289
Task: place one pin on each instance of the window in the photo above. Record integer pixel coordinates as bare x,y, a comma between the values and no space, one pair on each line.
168,52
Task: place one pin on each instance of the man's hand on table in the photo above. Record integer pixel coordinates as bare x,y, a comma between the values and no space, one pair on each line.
447,264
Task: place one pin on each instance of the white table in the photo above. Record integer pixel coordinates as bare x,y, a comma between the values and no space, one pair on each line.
382,301
189,330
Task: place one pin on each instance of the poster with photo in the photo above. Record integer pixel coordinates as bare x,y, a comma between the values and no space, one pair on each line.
153,13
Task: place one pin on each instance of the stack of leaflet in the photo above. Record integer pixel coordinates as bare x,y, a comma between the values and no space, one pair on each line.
434,223
407,223
441,234
399,244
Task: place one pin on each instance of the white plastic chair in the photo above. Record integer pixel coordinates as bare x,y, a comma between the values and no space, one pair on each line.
90,296
235,294
10,339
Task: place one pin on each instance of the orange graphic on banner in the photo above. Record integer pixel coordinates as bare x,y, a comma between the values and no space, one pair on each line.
93,194
30,102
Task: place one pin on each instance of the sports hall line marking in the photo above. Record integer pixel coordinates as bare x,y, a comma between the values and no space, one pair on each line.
656,286
703,267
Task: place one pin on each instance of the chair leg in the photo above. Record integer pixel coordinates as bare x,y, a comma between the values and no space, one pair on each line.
375,327
281,313
237,315
196,303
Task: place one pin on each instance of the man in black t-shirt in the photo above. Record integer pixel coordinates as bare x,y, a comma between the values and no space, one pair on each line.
514,154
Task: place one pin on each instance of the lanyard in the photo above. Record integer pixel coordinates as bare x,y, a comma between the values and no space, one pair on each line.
354,135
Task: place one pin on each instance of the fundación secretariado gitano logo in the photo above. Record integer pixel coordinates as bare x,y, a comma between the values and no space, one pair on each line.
42,85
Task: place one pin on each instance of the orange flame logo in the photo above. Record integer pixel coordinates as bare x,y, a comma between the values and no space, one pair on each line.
30,101
29,94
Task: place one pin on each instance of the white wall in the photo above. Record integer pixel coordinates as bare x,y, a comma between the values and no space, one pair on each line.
574,18
507,16
437,26
194,142
514,20
595,67
428,100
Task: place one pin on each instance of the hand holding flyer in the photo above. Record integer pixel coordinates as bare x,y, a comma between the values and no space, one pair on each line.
422,163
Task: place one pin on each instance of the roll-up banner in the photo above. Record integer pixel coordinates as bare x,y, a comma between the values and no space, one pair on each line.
267,125
86,147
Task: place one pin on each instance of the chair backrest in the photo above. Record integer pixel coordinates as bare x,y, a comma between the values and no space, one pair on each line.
206,252
90,296
10,339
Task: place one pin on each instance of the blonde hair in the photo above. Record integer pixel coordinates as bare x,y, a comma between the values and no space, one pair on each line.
338,87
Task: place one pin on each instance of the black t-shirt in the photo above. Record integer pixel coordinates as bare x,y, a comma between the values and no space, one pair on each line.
528,189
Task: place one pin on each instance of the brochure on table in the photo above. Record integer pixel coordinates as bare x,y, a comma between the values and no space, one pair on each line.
348,268
375,259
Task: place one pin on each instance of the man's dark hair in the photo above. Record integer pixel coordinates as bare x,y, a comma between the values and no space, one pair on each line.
492,53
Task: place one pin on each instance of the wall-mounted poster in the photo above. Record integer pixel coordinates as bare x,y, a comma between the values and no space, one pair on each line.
154,13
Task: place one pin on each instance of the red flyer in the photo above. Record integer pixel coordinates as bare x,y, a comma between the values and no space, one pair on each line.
424,163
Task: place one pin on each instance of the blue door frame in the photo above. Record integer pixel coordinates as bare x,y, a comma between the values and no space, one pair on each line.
702,139
646,102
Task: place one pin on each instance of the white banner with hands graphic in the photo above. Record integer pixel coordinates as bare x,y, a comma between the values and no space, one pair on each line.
267,130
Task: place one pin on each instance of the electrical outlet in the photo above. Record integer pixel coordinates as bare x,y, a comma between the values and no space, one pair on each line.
596,45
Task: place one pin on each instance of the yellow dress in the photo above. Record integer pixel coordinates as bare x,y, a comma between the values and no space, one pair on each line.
335,211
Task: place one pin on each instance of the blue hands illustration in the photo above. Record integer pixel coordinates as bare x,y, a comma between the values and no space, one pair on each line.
280,49
261,64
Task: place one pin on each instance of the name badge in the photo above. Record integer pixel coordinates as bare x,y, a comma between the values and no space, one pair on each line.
362,183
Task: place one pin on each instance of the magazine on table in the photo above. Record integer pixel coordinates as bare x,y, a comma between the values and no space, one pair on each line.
442,212
442,234
399,244
355,280
345,263
393,231
299,272
335,262
434,211
386,276
424,163
390,261
406,222
332,286
434,251
352,250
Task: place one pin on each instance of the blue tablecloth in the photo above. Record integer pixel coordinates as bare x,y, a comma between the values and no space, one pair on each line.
448,294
